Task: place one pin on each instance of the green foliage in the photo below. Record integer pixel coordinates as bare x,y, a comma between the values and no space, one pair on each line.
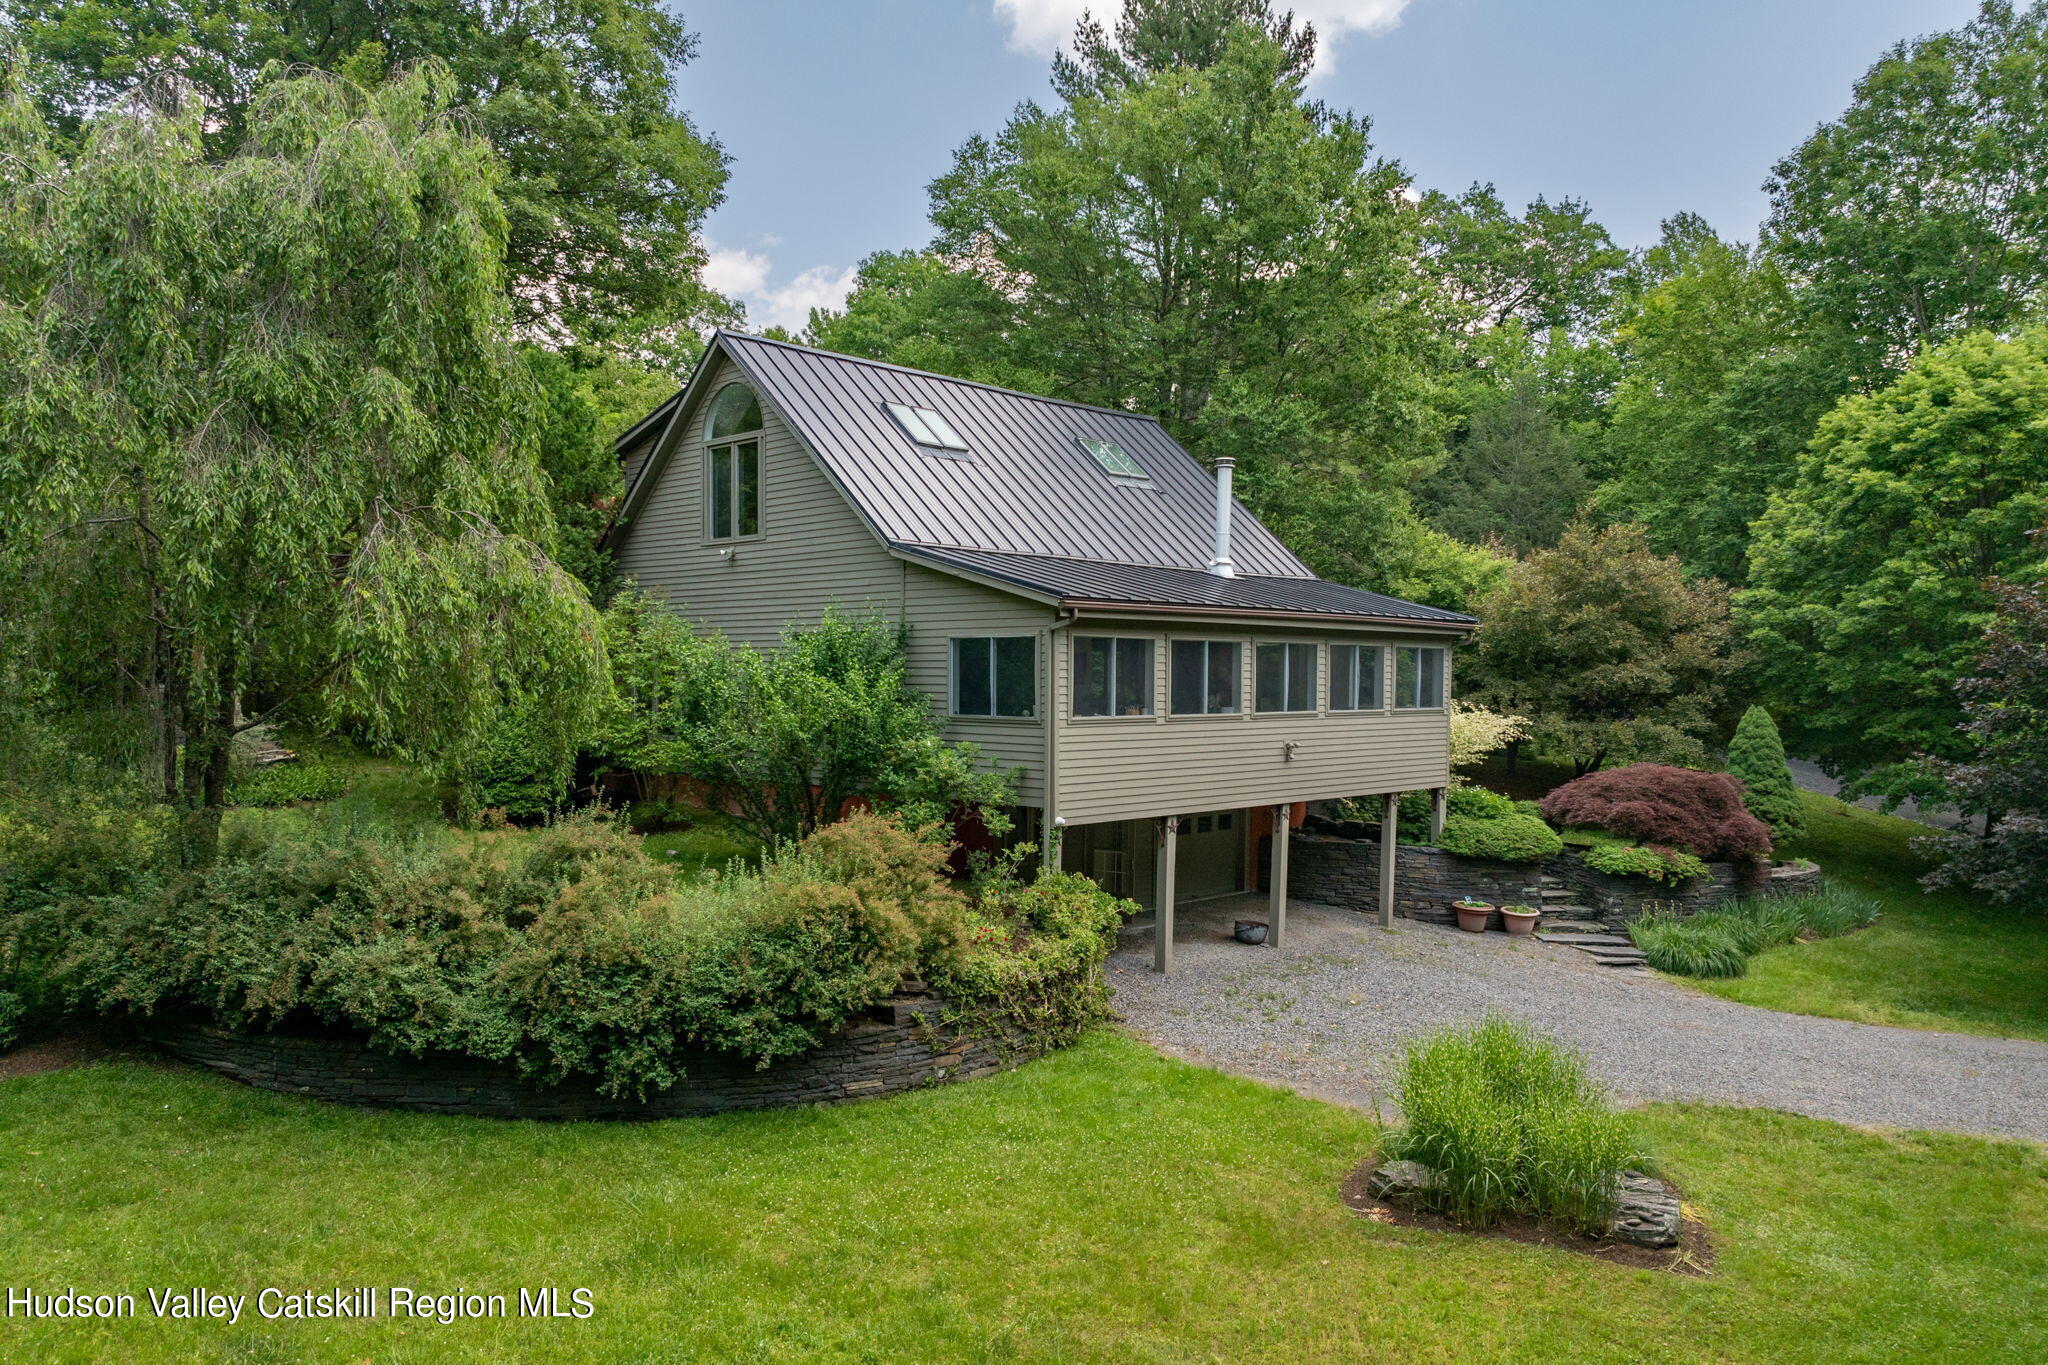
573,438
1717,943
785,738
1607,649
1870,573
1919,215
1515,478
269,440
1512,1124
1512,838
2005,778
1756,757
1653,861
1031,956
515,768
286,784
606,183
569,952
1552,268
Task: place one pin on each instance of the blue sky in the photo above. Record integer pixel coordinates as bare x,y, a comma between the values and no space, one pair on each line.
838,112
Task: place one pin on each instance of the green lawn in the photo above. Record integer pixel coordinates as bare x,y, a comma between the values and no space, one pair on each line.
1100,1205
1945,961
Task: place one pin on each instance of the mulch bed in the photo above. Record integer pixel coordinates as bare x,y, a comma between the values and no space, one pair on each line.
68,1050
1694,1254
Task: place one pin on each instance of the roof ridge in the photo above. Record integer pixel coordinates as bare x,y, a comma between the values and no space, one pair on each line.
934,374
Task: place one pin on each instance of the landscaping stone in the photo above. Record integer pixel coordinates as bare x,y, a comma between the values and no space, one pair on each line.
900,1046
1400,1182
1584,937
1648,1213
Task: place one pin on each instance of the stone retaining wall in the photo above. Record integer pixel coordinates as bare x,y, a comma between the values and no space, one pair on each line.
1343,871
901,1048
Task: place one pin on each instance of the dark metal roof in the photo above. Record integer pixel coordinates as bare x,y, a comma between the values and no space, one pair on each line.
1078,581
1029,487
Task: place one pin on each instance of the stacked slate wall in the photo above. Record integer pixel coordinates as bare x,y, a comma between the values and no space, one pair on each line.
901,1047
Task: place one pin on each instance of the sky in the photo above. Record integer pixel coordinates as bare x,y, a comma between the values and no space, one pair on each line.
838,113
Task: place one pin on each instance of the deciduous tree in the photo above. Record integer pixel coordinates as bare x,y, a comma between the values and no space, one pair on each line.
269,442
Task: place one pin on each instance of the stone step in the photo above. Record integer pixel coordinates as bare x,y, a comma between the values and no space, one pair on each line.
1587,939
1547,926
1615,958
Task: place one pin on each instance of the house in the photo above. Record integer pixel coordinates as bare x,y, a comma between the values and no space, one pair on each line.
1083,600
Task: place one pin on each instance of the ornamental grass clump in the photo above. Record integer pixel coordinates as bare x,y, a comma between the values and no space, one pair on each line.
1511,1125
1719,942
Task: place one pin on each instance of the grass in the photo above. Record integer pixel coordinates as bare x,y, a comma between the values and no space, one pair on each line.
1720,940
1947,960
1100,1205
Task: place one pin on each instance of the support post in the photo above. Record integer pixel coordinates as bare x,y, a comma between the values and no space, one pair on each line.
1438,797
1162,895
1052,849
1283,823
1390,810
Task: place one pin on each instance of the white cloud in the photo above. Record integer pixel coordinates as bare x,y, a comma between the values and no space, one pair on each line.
1042,25
743,275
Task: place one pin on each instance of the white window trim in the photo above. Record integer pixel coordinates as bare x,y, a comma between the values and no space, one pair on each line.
953,711
1152,714
1244,678
1318,690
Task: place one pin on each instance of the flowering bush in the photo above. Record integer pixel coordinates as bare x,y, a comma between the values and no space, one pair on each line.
1651,803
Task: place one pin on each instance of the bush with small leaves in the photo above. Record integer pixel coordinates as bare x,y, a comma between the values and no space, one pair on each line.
1510,838
1644,860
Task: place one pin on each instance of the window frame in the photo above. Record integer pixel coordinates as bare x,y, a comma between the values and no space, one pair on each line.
1315,685
904,414
1443,679
953,710
1208,643
729,449
1135,477
1381,655
1151,676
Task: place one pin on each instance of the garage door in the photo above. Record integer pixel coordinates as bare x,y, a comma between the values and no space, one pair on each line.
1211,857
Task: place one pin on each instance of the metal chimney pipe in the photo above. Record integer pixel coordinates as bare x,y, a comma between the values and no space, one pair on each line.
1221,565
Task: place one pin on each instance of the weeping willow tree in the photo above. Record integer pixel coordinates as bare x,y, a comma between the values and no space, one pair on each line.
268,443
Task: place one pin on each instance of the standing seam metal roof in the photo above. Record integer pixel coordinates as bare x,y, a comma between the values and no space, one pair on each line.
1028,488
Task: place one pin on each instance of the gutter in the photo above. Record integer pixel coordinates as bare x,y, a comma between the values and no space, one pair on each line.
1265,613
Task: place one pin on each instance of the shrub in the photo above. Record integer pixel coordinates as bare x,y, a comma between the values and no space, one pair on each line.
1652,803
287,784
1512,1124
1513,838
517,767
1644,860
1413,809
1833,910
1032,954
1756,758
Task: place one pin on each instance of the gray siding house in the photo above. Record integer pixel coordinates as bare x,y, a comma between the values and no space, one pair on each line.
1083,601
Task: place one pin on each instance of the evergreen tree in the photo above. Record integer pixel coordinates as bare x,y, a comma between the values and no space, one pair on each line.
1514,479
1757,756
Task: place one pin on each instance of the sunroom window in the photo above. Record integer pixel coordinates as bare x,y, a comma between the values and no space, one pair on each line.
1285,677
1205,678
1418,677
1112,676
1355,677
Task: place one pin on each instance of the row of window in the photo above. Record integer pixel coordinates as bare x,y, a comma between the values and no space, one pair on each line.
1112,676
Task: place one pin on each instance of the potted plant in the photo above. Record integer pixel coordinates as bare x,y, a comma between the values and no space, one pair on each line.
1473,914
1520,919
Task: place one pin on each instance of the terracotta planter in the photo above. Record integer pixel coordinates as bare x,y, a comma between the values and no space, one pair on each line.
1520,921
1473,919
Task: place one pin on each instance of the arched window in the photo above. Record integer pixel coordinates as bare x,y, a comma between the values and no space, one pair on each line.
734,411
732,463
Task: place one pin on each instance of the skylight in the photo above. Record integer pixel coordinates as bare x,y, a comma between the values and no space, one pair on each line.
926,427
1111,457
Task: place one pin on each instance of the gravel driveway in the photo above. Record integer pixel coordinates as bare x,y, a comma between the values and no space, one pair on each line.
1329,1014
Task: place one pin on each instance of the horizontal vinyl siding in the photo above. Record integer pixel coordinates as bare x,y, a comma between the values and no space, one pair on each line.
937,608
813,552
1161,765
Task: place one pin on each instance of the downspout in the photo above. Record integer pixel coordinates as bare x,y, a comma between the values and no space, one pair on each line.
1051,830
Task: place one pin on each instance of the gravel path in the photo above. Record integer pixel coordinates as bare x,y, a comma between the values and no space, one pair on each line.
1329,1014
